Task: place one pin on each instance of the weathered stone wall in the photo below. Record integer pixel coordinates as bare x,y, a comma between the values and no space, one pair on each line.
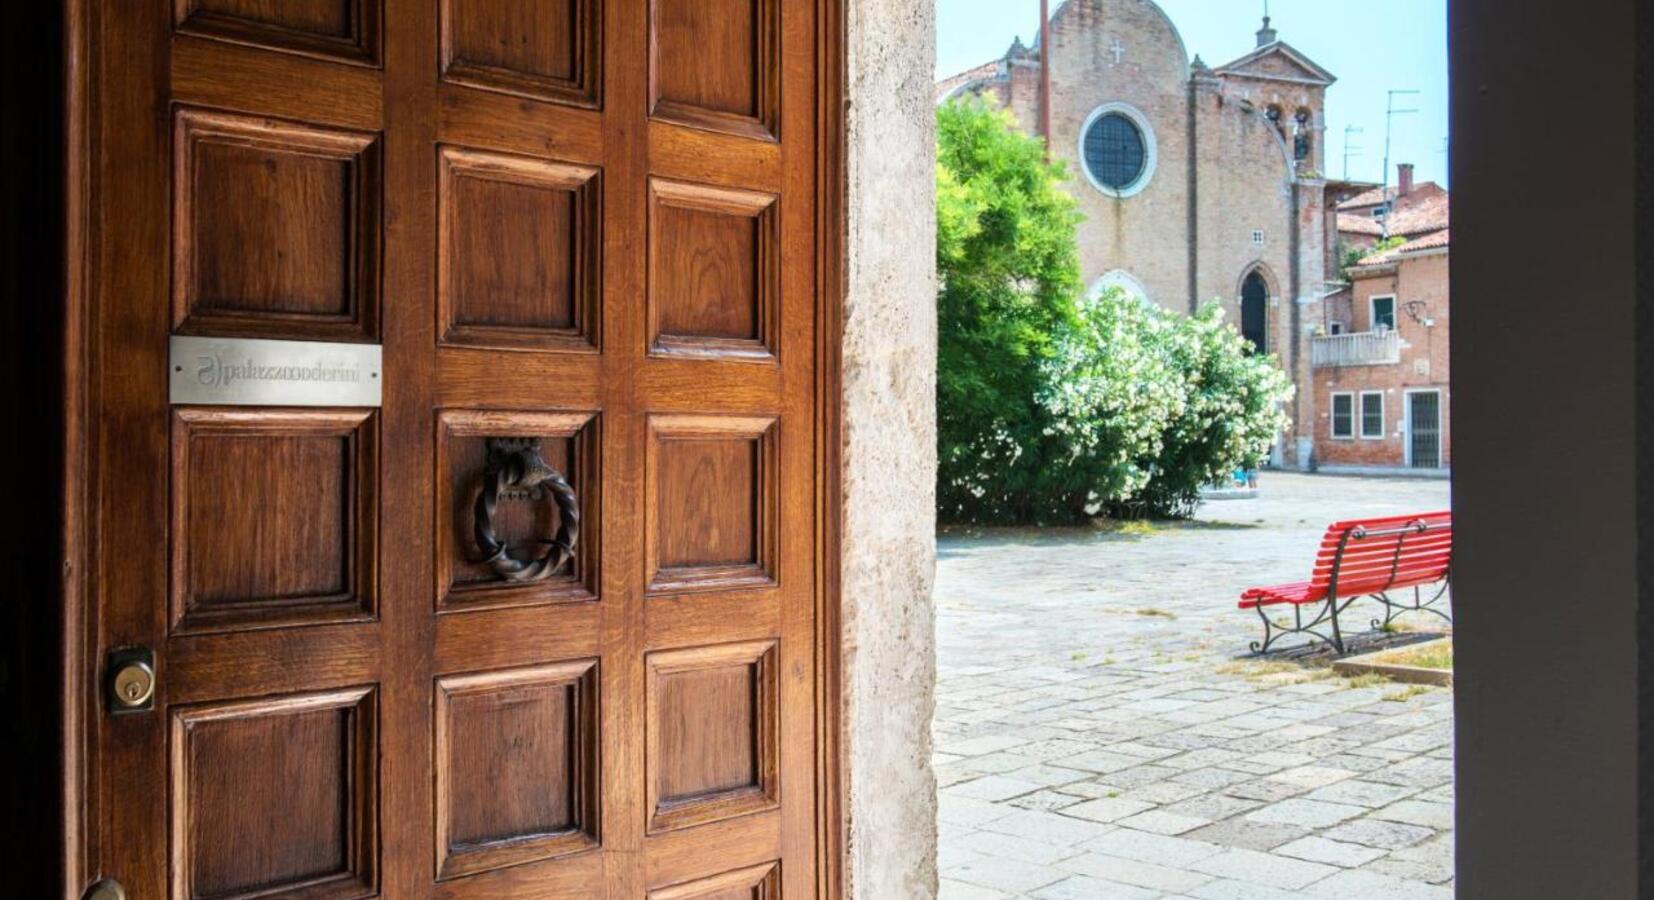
890,454
1312,287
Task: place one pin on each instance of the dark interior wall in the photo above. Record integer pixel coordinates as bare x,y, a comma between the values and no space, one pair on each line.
31,292
1645,446
1544,359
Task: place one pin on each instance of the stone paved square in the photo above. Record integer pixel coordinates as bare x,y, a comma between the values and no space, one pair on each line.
1103,732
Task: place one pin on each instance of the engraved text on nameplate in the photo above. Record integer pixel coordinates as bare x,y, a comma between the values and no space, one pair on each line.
245,372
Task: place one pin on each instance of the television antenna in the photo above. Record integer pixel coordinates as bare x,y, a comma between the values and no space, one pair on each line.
1350,149
1390,113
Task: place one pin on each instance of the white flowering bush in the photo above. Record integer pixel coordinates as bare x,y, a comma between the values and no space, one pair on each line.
1153,406
1111,393
1232,411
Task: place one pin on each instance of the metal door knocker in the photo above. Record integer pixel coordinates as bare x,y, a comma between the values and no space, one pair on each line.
516,471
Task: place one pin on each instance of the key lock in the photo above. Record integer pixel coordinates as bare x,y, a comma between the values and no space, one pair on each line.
517,471
130,680
107,889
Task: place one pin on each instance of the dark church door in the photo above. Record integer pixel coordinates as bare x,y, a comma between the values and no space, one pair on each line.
539,620
1255,312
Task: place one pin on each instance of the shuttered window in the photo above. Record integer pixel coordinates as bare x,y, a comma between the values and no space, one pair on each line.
1384,313
1372,415
1343,415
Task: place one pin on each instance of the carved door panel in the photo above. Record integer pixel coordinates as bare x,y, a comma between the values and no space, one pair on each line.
585,227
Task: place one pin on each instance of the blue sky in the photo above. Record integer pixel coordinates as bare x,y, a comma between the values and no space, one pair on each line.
1371,46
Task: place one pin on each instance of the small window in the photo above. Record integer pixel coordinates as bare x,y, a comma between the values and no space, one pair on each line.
1337,328
1257,238
1384,313
1343,415
1372,415
1381,210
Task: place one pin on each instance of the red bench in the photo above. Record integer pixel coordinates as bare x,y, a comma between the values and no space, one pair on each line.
1361,558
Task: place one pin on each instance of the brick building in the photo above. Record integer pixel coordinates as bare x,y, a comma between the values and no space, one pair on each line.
1197,183
1380,360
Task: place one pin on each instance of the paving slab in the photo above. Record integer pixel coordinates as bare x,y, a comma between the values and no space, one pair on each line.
1165,879
993,788
1107,809
1248,834
1083,887
1022,849
959,890
1363,885
1266,869
1305,813
1176,852
1160,821
1418,812
1230,889
1064,831
1379,833
1000,873
1334,853
1071,727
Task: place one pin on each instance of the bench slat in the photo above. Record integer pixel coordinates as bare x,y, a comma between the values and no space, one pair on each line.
1388,552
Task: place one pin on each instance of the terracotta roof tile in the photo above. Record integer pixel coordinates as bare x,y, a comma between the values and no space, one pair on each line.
1359,223
1422,216
1425,210
952,83
1433,241
1369,198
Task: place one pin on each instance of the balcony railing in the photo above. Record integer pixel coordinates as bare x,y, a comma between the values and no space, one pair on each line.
1364,348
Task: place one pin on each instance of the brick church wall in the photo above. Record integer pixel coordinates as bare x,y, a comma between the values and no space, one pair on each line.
1146,234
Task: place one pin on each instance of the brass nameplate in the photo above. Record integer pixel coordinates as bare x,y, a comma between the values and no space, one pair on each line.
246,372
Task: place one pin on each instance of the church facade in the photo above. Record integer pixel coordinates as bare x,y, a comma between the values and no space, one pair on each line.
1197,184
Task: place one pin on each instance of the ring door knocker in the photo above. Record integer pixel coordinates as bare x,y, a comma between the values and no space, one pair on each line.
516,471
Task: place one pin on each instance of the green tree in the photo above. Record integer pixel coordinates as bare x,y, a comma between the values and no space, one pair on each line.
1009,272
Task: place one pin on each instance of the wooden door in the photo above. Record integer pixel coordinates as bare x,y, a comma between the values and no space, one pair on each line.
586,223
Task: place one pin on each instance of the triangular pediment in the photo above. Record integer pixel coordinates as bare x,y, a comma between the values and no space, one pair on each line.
1278,61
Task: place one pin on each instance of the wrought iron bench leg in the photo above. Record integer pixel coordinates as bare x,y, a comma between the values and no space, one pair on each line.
1268,629
1394,610
1274,631
1337,634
